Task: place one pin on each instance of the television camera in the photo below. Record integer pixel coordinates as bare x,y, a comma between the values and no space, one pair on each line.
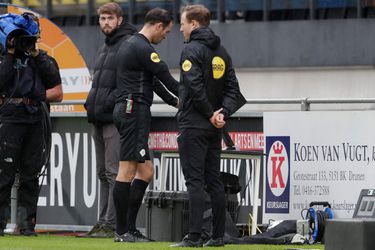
18,32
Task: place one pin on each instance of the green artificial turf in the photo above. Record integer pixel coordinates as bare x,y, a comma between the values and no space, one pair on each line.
48,242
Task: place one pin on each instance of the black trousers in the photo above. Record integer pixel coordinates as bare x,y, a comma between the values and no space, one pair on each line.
200,159
21,150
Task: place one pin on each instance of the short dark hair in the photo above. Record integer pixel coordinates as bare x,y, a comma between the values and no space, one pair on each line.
110,8
158,15
198,13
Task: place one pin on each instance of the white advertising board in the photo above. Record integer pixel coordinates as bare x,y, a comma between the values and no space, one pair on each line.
317,156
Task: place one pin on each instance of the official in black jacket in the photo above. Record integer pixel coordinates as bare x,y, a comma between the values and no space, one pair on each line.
208,95
100,104
138,65
28,79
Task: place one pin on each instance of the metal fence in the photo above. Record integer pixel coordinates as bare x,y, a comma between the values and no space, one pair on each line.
305,104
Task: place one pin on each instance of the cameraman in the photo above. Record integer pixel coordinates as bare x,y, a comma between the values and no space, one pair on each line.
29,78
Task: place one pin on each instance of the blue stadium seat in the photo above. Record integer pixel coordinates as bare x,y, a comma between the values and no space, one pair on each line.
337,9
233,5
143,6
330,4
252,5
210,4
288,10
289,4
253,10
274,4
157,3
351,3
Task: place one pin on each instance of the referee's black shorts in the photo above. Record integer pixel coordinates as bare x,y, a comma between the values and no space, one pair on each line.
134,129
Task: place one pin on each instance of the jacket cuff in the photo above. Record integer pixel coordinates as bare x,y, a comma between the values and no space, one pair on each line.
226,113
209,114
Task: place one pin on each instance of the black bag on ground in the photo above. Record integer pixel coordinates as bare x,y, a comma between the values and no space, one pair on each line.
282,233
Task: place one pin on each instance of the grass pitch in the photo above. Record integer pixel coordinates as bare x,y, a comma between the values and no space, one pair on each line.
49,242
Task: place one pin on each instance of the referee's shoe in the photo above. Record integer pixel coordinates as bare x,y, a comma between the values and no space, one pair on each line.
187,242
132,236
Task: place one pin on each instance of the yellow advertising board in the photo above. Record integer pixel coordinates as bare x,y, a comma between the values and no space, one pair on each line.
75,76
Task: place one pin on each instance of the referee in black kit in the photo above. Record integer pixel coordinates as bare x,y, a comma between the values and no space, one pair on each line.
138,65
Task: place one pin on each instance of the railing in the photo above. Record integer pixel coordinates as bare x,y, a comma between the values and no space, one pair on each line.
305,102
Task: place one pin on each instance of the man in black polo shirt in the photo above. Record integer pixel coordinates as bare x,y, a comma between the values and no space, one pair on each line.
138,65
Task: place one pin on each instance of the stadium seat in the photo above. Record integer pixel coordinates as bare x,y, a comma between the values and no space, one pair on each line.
369,3
289,4
328,9
253,10
100,2
20,3
235,9
330,4
71,20
351,9
368,8
34,3
68,2
210,4
74,11
288,9
233,5
143,6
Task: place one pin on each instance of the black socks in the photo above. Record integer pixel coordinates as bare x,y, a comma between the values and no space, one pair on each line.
121,201
137,190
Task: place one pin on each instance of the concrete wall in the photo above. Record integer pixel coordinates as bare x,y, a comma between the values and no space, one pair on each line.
290,59
268,44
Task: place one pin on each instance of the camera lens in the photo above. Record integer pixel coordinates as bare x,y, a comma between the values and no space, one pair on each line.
25,43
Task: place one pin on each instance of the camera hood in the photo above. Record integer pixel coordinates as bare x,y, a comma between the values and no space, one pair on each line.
16,25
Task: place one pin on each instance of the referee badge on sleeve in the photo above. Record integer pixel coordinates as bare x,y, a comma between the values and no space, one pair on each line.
155,57
186,66
218,67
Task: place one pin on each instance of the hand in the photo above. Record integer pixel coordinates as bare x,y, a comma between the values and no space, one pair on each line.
35,51
10,45
11,51
178,104
217,119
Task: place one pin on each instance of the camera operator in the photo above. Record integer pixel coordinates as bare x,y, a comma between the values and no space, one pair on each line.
29,79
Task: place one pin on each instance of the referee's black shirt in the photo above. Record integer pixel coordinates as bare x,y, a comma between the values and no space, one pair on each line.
137,64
